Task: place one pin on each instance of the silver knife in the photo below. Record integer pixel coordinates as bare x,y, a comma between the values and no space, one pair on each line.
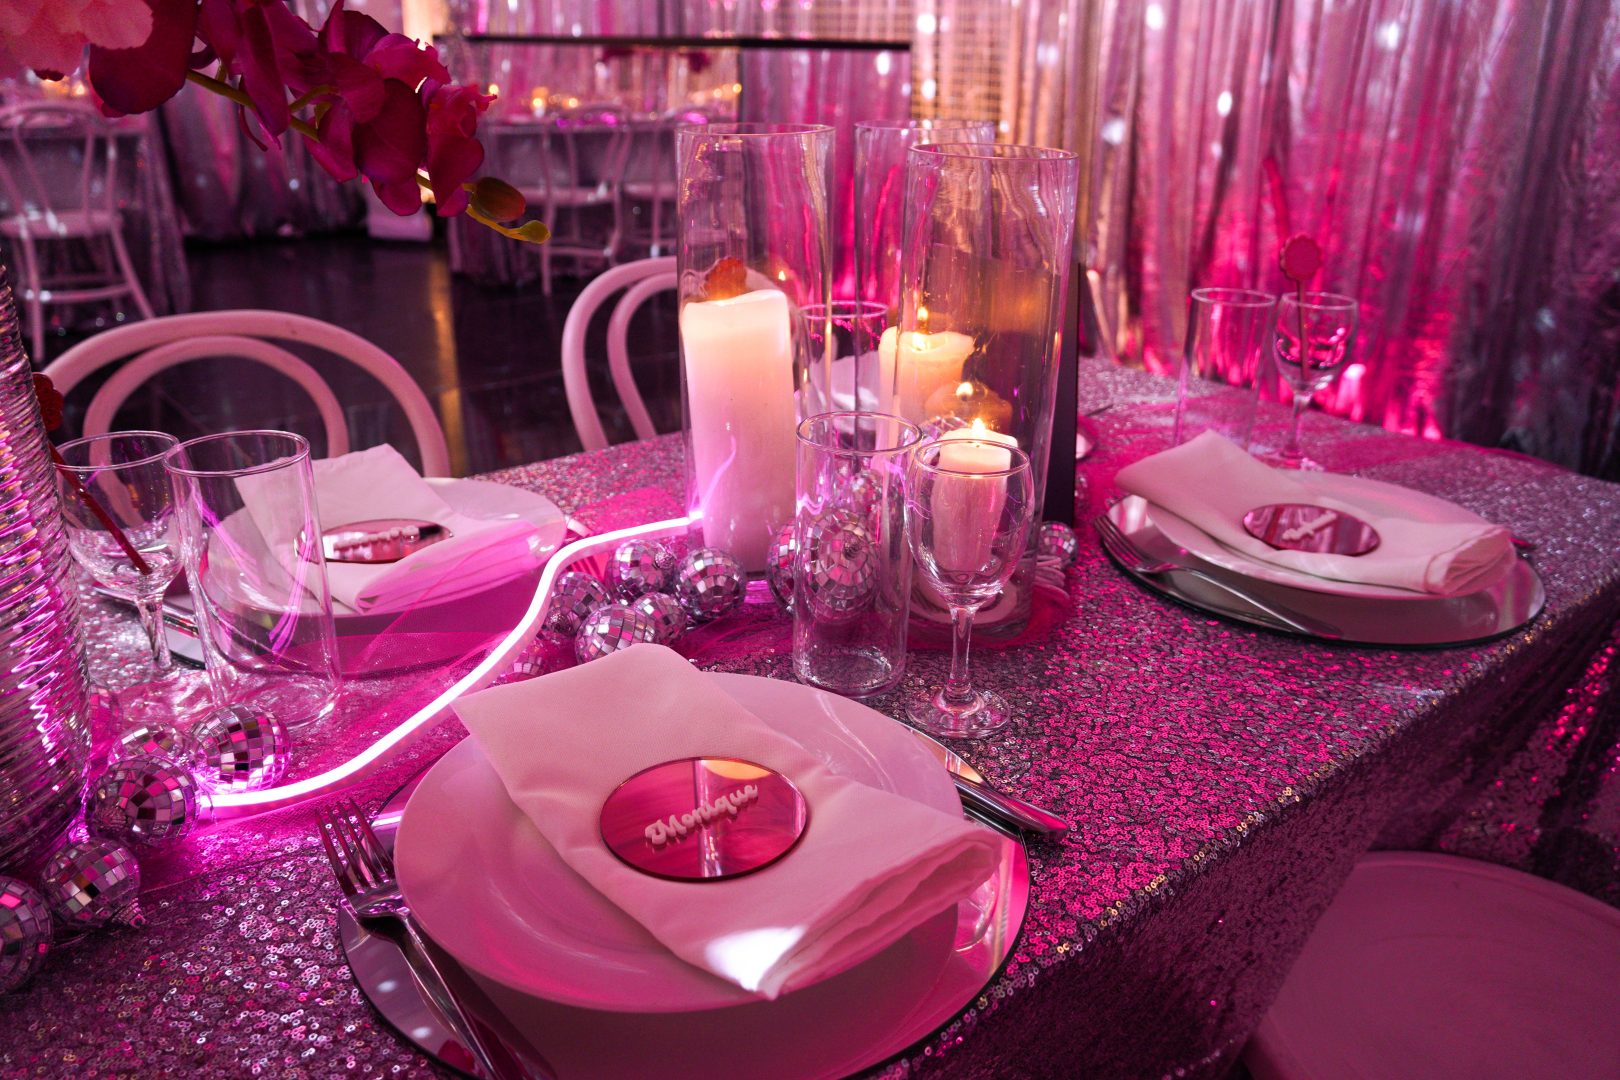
977,794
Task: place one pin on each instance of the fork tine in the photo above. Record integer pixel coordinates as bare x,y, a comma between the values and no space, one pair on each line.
382,863
1114,542
340,868
350,842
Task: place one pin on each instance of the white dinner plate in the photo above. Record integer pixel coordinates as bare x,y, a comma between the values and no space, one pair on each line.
487,886
1379,498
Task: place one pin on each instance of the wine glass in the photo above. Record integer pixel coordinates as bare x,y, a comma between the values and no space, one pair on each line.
1311,341
123,473
969,501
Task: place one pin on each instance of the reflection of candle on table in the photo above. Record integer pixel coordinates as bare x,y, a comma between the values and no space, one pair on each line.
927,363
739,388
967,509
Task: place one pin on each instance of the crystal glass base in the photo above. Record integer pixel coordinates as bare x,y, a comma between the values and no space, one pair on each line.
985,714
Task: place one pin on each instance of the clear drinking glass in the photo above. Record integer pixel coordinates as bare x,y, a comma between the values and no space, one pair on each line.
852,566
1226,337
123,472
844,370
252,546
969,505
880,197
1311,343
753,256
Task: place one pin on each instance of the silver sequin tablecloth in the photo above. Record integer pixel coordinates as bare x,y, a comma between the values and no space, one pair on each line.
1222,781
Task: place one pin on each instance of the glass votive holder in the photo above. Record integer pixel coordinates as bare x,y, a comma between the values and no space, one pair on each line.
845,370
852,567
251,543
1226,336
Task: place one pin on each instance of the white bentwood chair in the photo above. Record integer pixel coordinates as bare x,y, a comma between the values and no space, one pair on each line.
640,281
52,211
146,348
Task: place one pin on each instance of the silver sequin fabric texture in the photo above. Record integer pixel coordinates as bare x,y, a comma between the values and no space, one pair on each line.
1222,781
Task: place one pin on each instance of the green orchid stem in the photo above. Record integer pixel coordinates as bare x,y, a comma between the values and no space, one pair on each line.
533,232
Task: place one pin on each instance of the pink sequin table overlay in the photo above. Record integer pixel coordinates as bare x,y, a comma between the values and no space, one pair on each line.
1223,781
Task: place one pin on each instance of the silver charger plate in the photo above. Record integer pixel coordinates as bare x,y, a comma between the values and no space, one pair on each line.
1419,622
785,1039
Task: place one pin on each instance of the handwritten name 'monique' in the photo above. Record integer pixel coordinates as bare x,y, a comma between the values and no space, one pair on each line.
676,827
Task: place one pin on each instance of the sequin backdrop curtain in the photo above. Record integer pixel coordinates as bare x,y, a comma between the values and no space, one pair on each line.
1459,161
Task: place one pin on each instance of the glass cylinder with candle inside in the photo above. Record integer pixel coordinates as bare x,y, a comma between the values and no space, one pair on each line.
985,262
754,265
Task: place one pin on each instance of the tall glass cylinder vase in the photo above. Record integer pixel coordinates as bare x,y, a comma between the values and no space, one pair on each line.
880,198
985,265
44,729
753,255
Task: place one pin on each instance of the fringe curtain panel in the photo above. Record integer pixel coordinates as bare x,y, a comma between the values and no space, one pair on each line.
1459,160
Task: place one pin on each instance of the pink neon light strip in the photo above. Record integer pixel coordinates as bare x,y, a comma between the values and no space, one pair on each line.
239,804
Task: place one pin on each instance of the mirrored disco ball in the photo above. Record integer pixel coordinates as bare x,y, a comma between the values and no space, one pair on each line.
88,883
574,595
155,740
638,567
669,618
611,628
1058,541
779,564
144,800
25,933
710,583
840,566
240,749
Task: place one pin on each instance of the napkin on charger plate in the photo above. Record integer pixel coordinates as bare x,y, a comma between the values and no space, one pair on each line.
1213,483
378,483
870,867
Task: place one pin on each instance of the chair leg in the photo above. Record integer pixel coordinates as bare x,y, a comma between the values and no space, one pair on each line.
131,279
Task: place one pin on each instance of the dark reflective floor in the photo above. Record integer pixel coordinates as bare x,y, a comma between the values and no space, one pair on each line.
487,358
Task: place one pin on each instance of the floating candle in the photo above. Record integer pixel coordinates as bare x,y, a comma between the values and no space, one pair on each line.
968,502
918,365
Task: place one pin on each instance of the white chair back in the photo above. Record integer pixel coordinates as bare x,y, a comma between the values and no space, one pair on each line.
641,280
55,158
158,344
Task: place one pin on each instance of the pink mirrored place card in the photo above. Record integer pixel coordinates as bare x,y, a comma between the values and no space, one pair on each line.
703,819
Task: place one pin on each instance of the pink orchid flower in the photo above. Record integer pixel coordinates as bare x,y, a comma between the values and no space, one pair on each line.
49,36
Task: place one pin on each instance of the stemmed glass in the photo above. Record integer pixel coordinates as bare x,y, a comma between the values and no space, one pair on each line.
969,501
124,472
1311,341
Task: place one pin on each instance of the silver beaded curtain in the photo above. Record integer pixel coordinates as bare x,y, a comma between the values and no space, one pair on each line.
1458,159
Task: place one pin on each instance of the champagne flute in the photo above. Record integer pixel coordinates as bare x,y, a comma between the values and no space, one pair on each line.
1311,341
969,502
124,472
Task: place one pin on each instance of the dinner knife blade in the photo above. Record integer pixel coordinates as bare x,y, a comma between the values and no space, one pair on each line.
977,792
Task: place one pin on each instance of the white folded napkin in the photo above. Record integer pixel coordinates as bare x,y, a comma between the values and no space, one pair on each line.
870,867
378,483
1212,483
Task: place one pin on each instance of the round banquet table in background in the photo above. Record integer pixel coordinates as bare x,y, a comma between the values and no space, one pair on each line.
1222,781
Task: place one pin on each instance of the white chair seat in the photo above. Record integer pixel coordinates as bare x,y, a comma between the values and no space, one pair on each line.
66,225
1438,967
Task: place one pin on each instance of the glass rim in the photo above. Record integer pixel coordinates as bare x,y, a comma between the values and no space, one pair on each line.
924,124
752,129
1234,297
996,152
1021,462
300,445
802,434
1321,301
854,307
109,436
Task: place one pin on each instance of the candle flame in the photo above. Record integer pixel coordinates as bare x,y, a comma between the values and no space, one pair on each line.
781,275
922,317
979,427
964,390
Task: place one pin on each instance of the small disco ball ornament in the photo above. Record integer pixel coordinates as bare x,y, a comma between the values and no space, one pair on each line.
573,597
144,800
239,749
25,933
88,884
779,559
669,618
611,628
1057,541
709,583
155,740
638,567
548,652
840,566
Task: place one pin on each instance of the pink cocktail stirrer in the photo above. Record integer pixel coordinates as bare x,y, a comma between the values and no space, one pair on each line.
50,407
1301,260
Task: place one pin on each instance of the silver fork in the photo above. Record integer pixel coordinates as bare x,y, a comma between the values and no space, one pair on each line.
365,871
1137,561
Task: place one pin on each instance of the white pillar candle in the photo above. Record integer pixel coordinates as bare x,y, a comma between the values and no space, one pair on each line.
922,364
739,390
967,509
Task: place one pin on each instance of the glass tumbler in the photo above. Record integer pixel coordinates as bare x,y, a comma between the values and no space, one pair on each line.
851,568
844,370
251,542
1226,338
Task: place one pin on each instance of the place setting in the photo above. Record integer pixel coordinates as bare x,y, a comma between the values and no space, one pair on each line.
544,545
